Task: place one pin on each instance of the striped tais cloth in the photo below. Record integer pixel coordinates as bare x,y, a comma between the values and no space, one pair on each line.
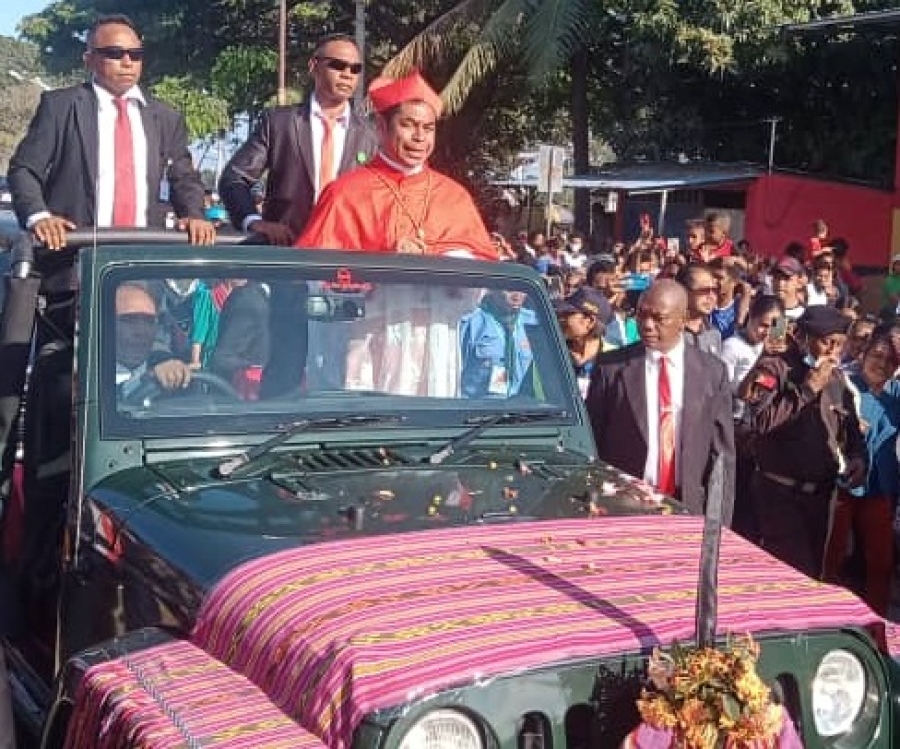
176,696
334,631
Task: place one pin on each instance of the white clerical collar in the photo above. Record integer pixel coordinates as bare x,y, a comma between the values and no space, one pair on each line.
316,110
105,97
406,171
674,354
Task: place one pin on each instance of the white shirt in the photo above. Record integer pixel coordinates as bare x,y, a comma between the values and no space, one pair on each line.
675,361
814,297
127,379
106,153
106,157
739,357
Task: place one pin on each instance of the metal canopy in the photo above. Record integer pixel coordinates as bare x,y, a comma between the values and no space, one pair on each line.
654,177
852,22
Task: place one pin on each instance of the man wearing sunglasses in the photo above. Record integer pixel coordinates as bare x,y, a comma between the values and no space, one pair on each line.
105,153
300,149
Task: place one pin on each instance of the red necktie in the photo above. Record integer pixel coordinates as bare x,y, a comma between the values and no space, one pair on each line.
665,473
326,155
124,197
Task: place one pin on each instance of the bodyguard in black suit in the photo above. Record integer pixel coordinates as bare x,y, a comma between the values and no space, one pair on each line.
57,176
617,402
286,145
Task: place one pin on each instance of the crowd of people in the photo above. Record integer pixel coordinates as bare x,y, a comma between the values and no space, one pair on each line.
714,373
777,385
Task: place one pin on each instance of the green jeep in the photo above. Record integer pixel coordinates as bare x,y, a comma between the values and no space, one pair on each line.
369,515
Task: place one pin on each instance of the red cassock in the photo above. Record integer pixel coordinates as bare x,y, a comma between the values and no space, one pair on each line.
372,207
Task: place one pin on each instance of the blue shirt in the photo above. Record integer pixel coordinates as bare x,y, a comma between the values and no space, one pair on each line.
881,414
490,357
725,319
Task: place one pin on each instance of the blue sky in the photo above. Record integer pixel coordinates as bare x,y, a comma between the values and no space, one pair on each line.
12,11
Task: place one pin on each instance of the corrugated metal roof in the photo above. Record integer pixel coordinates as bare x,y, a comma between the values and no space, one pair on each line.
852,22
654,177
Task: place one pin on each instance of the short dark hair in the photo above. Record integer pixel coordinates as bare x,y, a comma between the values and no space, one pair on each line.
764,304
111,19
686,275
795,250
328,38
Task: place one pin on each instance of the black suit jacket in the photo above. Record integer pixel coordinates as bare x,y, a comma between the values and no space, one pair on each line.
617,404
243,339
282,145
54,168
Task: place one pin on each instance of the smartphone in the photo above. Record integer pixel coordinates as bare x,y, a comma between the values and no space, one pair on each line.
778,332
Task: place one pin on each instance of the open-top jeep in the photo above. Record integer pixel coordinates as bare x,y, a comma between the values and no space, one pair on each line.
372,517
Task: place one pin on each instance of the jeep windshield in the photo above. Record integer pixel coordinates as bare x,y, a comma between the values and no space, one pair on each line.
239,348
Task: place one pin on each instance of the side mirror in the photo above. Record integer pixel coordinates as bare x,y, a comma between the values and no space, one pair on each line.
328,308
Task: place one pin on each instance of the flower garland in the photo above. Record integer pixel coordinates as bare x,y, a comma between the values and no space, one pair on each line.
707,698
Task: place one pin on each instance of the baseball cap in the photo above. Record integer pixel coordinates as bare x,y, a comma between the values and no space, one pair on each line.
588,301
789,266
823,320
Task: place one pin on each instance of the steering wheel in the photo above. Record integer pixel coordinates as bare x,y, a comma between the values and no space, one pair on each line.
149,388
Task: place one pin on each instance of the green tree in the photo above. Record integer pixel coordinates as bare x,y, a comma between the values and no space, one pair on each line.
245,77
206,115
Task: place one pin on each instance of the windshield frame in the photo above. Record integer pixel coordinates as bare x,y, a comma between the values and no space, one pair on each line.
419,411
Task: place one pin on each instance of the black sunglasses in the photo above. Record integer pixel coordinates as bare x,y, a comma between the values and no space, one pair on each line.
117,53
137,318
340,66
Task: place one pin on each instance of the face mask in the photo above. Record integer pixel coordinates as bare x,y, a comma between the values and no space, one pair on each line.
576,246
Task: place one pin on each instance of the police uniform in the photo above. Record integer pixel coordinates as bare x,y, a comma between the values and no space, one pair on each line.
803,441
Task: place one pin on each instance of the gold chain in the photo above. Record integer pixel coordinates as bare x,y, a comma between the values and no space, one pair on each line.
419,225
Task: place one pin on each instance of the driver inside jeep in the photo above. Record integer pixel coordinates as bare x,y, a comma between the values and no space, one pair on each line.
136,332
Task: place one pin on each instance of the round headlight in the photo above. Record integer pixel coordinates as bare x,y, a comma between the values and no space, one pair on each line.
443,729
838,692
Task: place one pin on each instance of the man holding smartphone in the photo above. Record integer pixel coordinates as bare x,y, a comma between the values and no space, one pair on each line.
806,437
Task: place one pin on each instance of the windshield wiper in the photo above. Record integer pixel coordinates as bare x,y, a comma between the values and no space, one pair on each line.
482,423
227,467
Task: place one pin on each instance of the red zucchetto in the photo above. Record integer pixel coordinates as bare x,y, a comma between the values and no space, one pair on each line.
386,93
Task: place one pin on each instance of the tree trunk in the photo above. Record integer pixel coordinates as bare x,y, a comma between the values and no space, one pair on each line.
580,138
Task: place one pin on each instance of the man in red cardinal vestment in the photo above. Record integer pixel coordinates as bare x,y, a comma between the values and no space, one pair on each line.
397,203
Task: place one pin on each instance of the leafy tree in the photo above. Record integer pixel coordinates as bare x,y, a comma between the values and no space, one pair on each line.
21,75
206,115
245,77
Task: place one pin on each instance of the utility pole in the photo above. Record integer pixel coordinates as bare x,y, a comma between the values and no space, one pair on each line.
282,51
359,27
773,123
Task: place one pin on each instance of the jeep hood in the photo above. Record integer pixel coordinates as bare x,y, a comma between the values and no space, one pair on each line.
205,526
335,631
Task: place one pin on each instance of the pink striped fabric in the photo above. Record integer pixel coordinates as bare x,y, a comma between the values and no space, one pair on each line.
335,630
175,696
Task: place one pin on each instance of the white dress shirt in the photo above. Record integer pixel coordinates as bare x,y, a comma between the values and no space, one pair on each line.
106,154
675,362
106,157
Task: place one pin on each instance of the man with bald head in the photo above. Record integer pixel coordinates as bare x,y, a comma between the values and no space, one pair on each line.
661,410
136,329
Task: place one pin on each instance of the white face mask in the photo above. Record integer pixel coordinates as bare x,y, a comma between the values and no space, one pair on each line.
576,246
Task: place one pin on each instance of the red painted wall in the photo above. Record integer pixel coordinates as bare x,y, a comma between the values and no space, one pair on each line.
782,208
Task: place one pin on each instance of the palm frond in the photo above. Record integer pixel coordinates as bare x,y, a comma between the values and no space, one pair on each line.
553,33
437,40
480,59
498,39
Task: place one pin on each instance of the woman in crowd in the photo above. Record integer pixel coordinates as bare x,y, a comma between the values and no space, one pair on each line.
766,329
868,512
583,318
